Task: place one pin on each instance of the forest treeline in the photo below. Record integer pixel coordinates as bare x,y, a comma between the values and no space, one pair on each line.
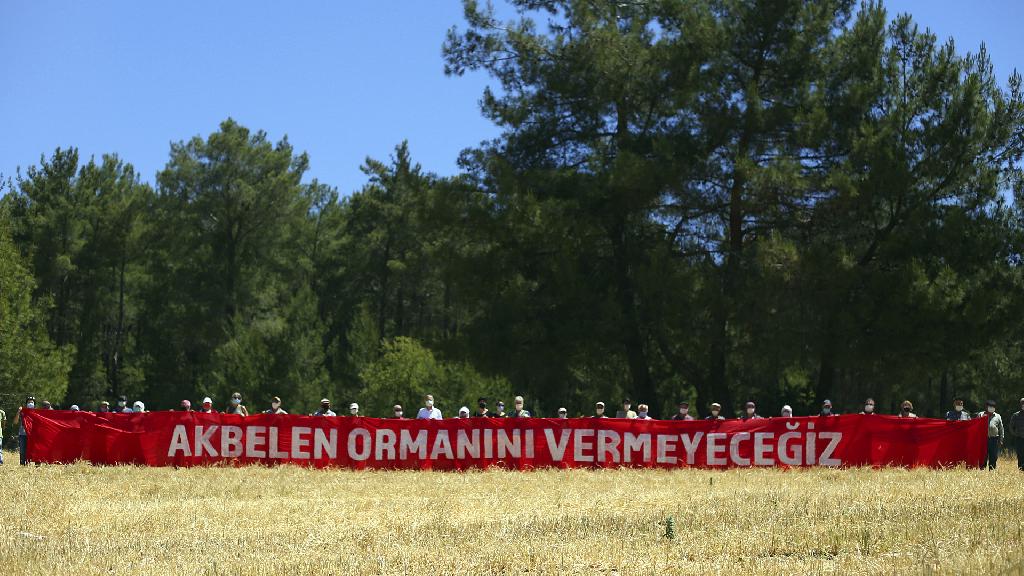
712,200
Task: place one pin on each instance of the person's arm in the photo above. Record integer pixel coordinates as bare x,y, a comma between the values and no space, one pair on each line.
1002,432
245,411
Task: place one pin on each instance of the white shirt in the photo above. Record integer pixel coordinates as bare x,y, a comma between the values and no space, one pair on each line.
428,414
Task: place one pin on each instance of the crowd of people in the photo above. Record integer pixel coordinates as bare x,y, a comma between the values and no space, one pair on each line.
996,431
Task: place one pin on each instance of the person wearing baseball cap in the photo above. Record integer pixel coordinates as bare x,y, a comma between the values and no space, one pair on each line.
207,407
787,411
599,410
684,411
996,434
1017,431
715,413
750,412
464,412
325,409
353,409
826,408
275,407
563,413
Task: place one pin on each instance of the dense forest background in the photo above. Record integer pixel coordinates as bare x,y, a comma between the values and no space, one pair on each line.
713,200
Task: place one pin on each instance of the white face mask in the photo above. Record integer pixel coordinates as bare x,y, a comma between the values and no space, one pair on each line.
642,414
990,409
121,403
750,411
958,408
430,403
683,411
787,413
562,415
600,410
353,411
398,413
714,412
275,405
869,408
30,405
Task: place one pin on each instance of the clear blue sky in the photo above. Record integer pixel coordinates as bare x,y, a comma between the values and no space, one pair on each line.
343,79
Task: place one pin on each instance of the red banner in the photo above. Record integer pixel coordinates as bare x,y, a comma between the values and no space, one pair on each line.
189,439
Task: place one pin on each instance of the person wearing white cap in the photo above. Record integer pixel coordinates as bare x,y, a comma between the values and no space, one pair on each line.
464,412
207,406
138,407
325,409
563,413
826,408
74,408
787,411
428,412
353,409
599,410
716,412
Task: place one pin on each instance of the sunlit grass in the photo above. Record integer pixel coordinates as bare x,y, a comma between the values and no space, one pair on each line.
122,520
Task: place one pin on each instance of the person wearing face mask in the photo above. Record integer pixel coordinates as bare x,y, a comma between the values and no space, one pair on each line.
138,407
19,421
826,408
353,409
599,410
236,406
499,410
122,405
275,407
207,406
750,412
715,412
642,412
186,406
907,410
958,412
1017,431
684,412
626,412
787,411
397,411
996,434
563,414
428,412
869,406
481,409
519,411
325,409
464,412
104,407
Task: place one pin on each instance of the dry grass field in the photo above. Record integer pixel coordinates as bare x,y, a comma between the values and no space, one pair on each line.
287,520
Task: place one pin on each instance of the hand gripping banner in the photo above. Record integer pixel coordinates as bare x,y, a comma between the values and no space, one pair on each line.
191,439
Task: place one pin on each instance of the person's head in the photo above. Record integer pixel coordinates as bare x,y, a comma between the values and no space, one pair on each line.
74,408
481,404
186,405
958,404
464,412
353,409
275,403
30,402
207,404
787,411
1022,403
563,413
642,409
138,406
47,405
906,407
684,407
428,400
826,407
325,404
990,406
626,404
236,398
518,402
397,408
750,408
122,401
500,406
869,405
104,406
599,408
716,408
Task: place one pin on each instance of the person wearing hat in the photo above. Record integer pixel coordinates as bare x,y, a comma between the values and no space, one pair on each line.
104,407
826,408
46,405
750,412
19,421
275,407
563,414
236,406
75,408
996,434
642,412
907,410
626,412
207,406
122,404
499,408
325,409
1017,431
353,409
186,405
684,412
715,413
397,409
428,412
869,406
464,412
787,411
138,407
599,410
958,412
481,409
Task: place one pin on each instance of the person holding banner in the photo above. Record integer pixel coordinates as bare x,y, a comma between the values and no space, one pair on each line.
599,410
186,405
716,412
958,412
397,410
19,420
869,406
428,412
325,409
500,406
207,406
563,414
750,412
236,406
626,412
684,412
787,411
275,407
519,411
906,410
641,413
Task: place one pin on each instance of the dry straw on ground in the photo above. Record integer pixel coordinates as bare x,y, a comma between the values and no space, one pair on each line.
287,520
